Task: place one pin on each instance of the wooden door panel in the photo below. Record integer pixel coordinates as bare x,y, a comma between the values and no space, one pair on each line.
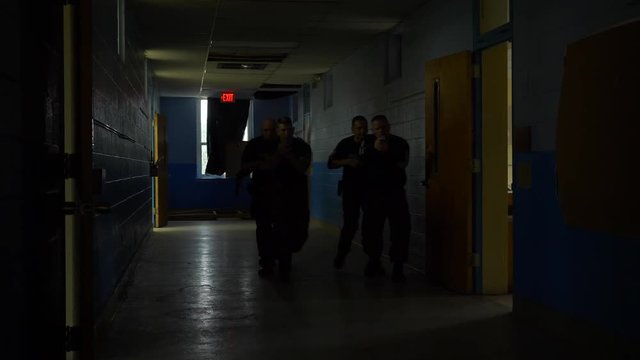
449,141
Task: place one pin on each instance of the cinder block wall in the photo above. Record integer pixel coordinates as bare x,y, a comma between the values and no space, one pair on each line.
122,123
439,28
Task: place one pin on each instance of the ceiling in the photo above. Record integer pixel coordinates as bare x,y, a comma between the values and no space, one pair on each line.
295,39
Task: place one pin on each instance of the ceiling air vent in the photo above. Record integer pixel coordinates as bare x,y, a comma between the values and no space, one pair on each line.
241,66
280,86
246,57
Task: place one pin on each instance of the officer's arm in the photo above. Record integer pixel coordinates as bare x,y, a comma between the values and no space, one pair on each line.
333,163
248,161
300,162
337,159
337,163
403,156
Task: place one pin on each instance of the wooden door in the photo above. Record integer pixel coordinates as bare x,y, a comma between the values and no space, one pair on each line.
161,180
449,146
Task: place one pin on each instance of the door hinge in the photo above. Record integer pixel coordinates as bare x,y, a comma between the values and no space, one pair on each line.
72,338
476,166
474,260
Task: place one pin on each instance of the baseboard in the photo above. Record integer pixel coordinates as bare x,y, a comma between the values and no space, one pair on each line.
207,214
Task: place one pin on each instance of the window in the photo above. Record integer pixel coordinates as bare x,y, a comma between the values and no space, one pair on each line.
203,153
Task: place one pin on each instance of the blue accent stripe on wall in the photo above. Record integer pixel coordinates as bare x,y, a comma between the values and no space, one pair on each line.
326,205
589,275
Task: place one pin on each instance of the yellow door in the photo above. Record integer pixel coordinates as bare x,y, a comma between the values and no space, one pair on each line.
161,180
449,140
495,156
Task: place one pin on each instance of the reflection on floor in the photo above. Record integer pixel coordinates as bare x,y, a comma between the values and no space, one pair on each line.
195,294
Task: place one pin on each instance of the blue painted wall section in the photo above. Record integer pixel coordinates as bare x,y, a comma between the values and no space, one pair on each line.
326,205
186,190
592,276
275,108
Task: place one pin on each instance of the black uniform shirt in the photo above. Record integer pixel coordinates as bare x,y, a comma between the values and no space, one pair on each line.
386,170
285,172
258,149
348,148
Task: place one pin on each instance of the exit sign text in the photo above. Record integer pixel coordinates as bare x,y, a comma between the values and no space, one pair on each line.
227,97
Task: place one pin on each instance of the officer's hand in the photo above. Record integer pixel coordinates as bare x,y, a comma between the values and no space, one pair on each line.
284,147
381,145
353,162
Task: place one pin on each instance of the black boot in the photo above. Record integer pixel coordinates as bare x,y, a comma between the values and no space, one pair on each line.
266,267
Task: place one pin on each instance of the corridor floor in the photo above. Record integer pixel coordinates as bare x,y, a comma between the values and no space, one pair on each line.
195,294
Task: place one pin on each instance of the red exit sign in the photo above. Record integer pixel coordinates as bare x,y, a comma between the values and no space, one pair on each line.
227,97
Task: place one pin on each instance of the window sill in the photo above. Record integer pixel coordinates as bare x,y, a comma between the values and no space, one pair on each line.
211,177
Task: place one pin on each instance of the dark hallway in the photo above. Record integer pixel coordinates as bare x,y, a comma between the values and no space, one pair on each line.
516,190
195,294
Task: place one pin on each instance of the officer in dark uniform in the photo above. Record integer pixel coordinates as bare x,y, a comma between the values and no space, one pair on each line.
291,221
385,164
348,155
258,159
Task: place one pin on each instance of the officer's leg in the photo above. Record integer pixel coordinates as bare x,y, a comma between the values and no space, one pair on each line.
372,231
264,237
351,217
400,231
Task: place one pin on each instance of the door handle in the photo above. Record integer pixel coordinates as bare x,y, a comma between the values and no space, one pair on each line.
81,208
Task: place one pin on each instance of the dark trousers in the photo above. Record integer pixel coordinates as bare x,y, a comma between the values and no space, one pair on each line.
386,204
352,203
262,212
291,221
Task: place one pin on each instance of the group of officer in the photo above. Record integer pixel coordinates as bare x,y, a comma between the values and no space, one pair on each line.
373,184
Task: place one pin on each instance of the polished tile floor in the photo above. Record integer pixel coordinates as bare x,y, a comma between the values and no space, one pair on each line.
195,294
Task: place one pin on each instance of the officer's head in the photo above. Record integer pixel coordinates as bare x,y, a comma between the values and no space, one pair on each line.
359,127
285,128
268,129
380,126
